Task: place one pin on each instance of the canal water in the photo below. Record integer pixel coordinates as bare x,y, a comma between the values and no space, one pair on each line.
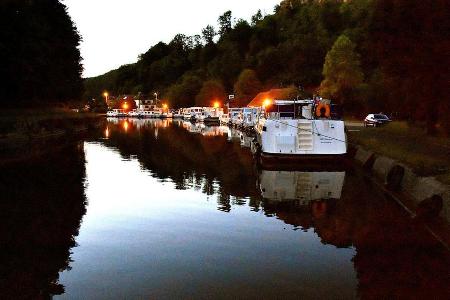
161,209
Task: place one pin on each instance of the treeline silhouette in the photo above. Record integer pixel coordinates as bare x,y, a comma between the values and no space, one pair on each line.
40,62
370,55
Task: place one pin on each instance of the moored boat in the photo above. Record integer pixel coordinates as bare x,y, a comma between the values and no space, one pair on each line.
292,129
196,114
250,117
211,115
117,112
235,116
224,119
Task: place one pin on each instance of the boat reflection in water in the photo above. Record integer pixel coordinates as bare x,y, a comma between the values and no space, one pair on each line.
234,134
246,140
300,197
299,186
205,130
143,123
179,214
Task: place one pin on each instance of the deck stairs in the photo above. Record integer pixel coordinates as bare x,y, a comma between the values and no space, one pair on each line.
305,134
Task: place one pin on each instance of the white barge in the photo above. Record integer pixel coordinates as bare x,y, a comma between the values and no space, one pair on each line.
299,129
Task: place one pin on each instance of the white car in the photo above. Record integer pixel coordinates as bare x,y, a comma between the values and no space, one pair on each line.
376,120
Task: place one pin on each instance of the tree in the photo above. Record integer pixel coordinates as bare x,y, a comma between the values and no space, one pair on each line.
256,17
225,25
211,91
247,87
40,59
410,39
208,34
341,71
183,94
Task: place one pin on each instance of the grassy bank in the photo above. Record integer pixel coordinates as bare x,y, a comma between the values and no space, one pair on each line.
428,156
25,134
37,121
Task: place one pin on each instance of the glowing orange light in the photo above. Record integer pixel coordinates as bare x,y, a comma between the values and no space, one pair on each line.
105,94
107,132
216,104
267,102
165,106
126,125
125,106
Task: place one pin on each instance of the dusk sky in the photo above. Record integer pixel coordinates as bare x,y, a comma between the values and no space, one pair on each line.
116,32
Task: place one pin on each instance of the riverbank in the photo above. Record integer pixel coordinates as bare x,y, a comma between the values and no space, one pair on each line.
28,133
32,121
405,160
426,155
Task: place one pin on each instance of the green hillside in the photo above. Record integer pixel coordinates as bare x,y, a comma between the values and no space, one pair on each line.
370,55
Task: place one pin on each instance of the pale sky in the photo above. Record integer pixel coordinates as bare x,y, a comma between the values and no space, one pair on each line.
115,32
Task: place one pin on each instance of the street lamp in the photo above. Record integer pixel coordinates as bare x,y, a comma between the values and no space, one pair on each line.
105,94
267,102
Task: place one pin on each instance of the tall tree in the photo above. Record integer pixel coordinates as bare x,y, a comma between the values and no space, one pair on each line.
40,59
247,87
411,42
342,72
211,91
256,17
183,94
225,24
208,34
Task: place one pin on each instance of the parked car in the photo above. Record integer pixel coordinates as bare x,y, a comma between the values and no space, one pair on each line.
376,120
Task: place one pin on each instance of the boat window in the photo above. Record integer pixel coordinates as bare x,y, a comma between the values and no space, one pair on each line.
281,111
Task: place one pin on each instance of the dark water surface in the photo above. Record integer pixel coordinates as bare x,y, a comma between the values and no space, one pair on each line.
162,209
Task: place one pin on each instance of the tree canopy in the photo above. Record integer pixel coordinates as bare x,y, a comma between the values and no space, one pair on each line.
342,72
246,87
369,54
40,59
211,91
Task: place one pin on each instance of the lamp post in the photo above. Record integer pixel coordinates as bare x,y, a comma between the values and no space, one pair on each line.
105,94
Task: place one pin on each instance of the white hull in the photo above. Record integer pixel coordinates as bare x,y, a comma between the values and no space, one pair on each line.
301,137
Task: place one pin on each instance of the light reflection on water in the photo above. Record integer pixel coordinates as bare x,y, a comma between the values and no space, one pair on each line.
144,237
180,210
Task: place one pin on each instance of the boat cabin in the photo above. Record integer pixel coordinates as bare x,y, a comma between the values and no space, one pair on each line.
303,109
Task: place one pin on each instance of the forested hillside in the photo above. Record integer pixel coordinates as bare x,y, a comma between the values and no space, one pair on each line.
370,55
40,64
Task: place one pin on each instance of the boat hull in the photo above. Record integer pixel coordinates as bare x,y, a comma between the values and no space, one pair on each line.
313,161
212,120
294,137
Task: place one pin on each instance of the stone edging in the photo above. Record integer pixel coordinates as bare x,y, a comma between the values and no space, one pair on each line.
399,177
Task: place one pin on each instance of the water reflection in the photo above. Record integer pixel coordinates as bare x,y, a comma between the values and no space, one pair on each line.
179,213
42,203
304,187
392,256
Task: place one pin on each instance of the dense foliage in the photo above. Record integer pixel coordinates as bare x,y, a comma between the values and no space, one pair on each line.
370,55
40,62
